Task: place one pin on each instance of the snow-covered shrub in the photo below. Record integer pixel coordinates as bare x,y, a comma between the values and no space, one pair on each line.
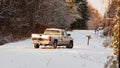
112,62
108,42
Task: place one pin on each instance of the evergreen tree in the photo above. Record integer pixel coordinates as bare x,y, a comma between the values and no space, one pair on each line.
84,13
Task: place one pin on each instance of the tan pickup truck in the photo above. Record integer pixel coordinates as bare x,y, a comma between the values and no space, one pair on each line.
53,37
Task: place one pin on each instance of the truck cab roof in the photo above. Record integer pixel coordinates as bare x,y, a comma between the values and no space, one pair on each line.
54,29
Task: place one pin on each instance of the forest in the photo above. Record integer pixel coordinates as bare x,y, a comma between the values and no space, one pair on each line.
20,18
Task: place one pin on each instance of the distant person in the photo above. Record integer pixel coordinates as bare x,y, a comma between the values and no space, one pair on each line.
100,28
96,29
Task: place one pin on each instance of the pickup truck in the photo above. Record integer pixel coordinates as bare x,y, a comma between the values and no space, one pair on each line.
53,37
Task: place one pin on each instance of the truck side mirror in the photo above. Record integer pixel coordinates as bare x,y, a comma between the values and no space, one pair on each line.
68,34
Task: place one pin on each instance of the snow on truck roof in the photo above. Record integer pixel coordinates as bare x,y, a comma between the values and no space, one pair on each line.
54,29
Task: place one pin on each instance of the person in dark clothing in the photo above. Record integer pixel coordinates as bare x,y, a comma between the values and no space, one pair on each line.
96,29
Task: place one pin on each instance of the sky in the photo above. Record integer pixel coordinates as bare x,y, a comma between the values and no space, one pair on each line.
100,5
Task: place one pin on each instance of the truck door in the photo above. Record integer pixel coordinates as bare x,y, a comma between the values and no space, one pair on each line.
65,37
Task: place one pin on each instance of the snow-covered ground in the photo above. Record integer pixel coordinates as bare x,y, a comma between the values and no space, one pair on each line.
23,55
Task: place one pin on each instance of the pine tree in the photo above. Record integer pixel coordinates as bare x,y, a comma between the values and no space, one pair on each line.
83,11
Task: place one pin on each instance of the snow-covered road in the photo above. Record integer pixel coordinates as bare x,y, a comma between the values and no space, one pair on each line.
23,55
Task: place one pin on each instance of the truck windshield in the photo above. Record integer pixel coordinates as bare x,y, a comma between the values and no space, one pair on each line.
52,32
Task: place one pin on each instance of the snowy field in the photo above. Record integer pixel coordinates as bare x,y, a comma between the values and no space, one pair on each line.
23,55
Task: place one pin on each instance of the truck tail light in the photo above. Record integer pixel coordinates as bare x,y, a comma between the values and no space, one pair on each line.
49,38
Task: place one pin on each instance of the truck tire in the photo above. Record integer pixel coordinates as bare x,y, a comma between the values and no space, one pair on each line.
55,44
70,45
36,45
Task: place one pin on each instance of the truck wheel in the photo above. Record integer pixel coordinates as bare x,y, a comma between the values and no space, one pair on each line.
55,44
70,45
36,45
